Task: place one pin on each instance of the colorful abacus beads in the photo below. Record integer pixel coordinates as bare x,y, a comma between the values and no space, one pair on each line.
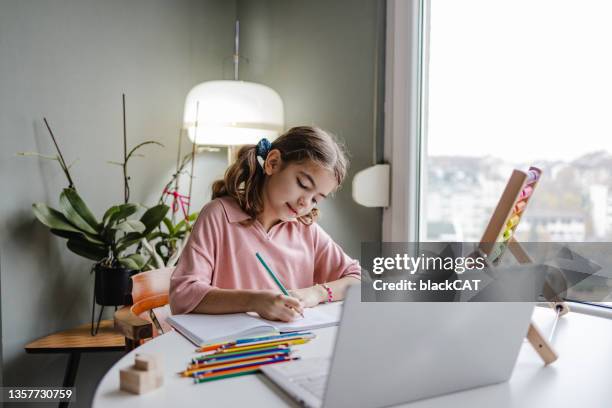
507,234
513,221
533,175
526,192
518,208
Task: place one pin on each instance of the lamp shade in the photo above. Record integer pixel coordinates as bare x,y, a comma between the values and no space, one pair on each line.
232,113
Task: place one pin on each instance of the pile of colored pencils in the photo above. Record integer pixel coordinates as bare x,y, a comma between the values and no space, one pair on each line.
243,356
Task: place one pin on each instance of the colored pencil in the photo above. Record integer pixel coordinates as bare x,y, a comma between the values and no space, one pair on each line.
214,346
235,359
273,276
220,377
234,366
238,357
254,339
211,347
228,355
235,372
231,365
264,345
263,340
232,352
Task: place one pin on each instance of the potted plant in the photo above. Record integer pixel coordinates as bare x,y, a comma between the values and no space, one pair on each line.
109,242
120,244
116,243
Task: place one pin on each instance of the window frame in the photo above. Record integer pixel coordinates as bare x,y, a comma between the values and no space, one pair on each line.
405,94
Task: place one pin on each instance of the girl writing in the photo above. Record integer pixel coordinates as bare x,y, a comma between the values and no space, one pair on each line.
267,203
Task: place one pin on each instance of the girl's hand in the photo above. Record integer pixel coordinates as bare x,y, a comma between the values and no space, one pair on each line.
309,297
276,306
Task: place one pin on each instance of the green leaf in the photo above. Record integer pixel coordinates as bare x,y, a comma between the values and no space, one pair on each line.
87,249
168,224
123,211
114,209
134,262
131,226
52,218
193,216
153,217
128,263
180,225
76,235
128,240
156,234
77,212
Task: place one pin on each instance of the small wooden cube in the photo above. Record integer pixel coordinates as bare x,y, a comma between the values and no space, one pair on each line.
138,381
148,362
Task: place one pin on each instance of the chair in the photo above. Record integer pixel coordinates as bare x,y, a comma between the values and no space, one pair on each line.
146,317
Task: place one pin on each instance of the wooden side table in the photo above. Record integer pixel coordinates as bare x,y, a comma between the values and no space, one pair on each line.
76,341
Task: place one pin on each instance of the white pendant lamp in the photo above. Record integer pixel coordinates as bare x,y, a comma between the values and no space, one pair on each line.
232,113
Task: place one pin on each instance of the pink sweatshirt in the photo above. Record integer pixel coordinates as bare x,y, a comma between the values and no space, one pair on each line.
221,253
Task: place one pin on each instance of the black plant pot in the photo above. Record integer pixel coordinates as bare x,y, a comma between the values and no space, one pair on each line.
113,286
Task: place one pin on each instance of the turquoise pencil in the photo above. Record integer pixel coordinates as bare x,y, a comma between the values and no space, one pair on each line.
273,276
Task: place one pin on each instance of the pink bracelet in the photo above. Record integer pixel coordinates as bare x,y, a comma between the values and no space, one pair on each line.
330,295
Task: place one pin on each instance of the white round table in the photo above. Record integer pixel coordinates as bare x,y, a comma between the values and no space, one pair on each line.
581,377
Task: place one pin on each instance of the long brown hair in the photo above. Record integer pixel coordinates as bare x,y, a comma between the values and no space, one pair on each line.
244,179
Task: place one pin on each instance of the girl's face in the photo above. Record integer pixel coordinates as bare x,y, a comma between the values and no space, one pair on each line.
292,190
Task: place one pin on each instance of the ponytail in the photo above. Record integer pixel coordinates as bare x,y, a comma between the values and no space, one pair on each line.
243,181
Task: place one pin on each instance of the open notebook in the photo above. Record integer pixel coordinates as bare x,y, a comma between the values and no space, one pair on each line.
203,329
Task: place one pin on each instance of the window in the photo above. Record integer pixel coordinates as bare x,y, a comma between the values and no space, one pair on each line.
513,84
508,85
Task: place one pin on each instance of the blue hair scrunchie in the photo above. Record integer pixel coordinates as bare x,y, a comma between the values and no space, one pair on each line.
262,149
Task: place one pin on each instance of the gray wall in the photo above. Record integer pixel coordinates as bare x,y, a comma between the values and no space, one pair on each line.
71,60
321,57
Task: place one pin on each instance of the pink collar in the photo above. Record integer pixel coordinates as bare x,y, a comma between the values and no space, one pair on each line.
234,213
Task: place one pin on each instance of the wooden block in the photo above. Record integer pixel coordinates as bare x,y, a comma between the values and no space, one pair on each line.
148,362
139,381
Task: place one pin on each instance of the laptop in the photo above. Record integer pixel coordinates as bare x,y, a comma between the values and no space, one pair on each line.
396,352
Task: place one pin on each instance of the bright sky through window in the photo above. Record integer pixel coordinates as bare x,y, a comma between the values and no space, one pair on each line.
533,76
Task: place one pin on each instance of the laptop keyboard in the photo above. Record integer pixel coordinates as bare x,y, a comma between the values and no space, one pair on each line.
313,384
308,374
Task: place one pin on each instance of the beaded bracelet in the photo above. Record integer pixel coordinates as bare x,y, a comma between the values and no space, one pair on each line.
330,295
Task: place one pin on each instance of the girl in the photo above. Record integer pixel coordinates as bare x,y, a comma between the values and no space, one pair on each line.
267,203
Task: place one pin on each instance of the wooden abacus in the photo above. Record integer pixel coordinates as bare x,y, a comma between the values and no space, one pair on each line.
499,235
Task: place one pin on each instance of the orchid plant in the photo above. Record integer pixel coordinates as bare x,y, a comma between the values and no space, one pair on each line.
154,240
